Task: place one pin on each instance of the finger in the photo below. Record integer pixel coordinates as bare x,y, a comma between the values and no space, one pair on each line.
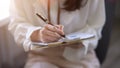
54,29
57,26
57,36
48,36
48,39
53,34
50,33
60,27
50,27
60,32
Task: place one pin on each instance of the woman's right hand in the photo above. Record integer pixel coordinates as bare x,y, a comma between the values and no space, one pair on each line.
48,33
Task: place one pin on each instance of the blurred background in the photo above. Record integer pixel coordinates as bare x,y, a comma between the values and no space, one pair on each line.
13,56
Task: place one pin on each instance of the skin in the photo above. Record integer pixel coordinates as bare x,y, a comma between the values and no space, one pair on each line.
48,33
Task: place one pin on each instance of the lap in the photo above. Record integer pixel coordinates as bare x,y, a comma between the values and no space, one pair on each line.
37,61
40,65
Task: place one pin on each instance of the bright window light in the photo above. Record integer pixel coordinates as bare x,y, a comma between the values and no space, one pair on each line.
4,9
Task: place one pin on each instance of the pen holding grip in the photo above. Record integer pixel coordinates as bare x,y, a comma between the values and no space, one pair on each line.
47,22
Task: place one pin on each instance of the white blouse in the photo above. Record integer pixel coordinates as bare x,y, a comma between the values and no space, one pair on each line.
89,19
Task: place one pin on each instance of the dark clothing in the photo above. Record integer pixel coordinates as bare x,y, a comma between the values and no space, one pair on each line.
106,32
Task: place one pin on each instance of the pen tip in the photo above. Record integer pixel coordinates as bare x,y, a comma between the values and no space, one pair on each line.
63,36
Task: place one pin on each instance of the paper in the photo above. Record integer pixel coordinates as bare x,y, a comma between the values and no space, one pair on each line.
73,38
82,36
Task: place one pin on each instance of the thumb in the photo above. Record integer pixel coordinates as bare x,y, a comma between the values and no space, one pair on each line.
61,27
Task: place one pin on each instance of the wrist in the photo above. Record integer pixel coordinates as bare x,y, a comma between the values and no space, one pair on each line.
35,36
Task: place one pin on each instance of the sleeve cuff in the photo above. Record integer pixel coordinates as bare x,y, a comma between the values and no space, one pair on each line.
27,42
90,44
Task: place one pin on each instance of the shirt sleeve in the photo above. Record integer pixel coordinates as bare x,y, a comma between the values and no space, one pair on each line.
95,23
19,26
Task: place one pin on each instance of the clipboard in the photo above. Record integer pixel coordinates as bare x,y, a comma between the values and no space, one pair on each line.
74,38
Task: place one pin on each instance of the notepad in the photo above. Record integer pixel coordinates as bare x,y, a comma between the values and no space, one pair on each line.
74,38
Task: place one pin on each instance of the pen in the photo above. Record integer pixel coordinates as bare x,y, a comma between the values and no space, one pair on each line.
47,22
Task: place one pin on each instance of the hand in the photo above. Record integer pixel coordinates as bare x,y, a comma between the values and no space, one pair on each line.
48,33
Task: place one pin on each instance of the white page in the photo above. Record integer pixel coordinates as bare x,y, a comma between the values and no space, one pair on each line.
79,35
72,36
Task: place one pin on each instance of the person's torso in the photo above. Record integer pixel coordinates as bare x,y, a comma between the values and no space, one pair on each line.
73,21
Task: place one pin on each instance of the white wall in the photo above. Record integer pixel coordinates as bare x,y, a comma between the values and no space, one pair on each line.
4,8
